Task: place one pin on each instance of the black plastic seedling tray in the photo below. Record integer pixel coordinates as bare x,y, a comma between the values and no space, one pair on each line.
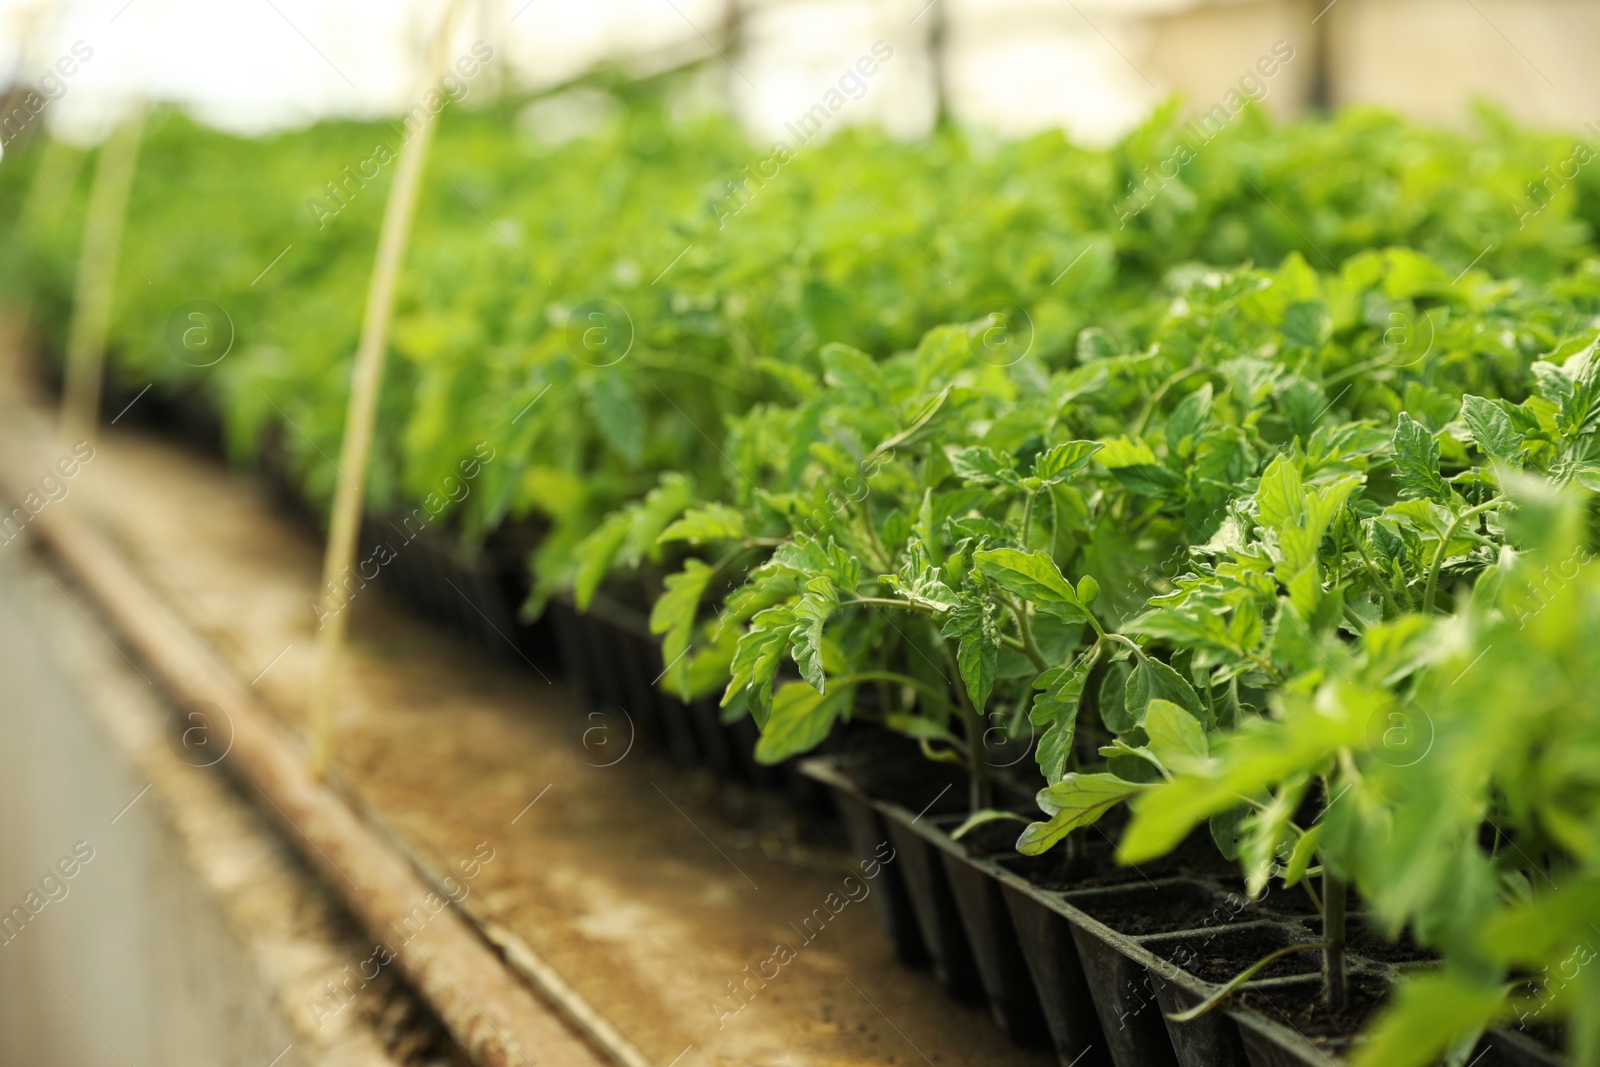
609,652
1098,971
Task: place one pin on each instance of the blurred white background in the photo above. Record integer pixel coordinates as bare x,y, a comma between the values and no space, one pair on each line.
1094,67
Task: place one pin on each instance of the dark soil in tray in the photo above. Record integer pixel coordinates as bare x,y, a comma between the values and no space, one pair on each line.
1219,957
892,768
991,840
1552,1036
1293,901
1366,941
1300,1007
1164,909
1537,1025
1095,863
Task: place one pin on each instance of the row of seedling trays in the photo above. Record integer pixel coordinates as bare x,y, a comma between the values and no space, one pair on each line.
1069,950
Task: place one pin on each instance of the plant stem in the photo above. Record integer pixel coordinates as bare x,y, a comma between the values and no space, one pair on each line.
1335,987
1156,397
889,602
95,288
1444,547
1030,647
1378,577
366,384
1027,518
980,793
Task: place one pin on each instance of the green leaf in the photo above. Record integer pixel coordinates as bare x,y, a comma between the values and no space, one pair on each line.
617,414
1430,1013
1176,737
981,818
1529,931
977,465
1196,623
1305,850
811,613
674,614
1153,680
1056,707
1077,800
1279,496
595,555
1033,576
1061,462
1188,419
660,506
755,663
979,650
1225,831
1149,479
1492,430
714,522
1124,451
1266,830
1113,701
855,374
801,717
1416,455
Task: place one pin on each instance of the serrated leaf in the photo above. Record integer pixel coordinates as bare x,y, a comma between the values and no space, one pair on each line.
1416,456
1176,737
674,614
1280,494
1124,451
1188,419
1148,479
977,465
801,717
972,621
1077,800
756,660
1033,576
714,522
1060,462
596,553
1056,707
1113,702
650,517
1492,430
617,414
811,614
1264,832
1153,680
855,373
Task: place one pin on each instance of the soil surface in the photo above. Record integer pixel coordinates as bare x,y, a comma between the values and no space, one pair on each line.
1301,1007
1363,940
1219,956
1095,862
657,893
1164,908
